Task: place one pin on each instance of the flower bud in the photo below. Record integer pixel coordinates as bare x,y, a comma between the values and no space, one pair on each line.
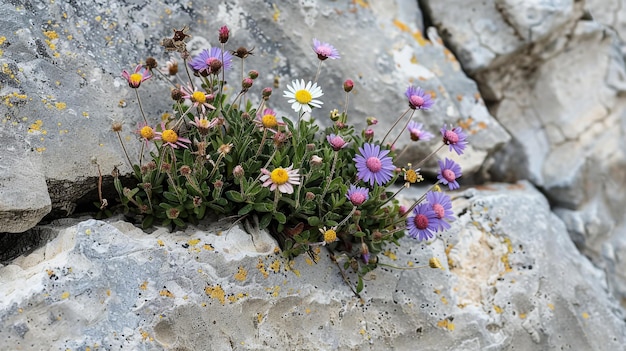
151,63
218,184
369,134
224,33
266,93
309,196
185,170
371,121
334,115
316,161
310,147
246,83
348,85
238,172
253,74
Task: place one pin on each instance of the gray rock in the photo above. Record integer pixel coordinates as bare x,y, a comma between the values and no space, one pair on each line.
64,60
24,198
511,277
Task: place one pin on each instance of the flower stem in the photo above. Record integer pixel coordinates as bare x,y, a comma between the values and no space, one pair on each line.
188,74
394,125
262,142
330,175
319,69
130,164
141,107
429,156
403,128
347,217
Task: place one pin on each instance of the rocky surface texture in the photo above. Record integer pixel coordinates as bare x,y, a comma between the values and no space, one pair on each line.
540,87
501,287
553,74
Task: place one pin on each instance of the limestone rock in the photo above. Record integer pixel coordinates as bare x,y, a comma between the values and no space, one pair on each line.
24,198
63,62
510,277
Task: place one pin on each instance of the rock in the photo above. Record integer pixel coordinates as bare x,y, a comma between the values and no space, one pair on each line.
510,277
24,198
63,86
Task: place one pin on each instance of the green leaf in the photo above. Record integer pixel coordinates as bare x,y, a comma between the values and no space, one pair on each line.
359,285
314,221
147,222
234,196
265,221
264,207
281,218
170,196
246,209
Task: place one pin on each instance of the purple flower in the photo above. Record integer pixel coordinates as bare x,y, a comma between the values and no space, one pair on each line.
324,50
336,141
373,165
423,223
357,195
417,131
418,98
442,206
203,60
456,138
449,171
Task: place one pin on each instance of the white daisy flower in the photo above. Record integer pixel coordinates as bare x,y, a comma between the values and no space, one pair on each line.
303,97
280,178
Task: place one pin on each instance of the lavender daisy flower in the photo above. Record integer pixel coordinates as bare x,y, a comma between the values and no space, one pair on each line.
442,206
417,131
418,98
423,223
357,195
455,137
324,50
135,79
373,165
203,61
336,142
449,171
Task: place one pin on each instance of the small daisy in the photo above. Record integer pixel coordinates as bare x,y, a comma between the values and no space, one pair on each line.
455,137
449,171
329,235
268,120
357,195
418,98
423,223
442,206
324,50
146,132
204,125
373,165
171,138
280,178
302,97
417,131
198,98
336,142
202,62
135,79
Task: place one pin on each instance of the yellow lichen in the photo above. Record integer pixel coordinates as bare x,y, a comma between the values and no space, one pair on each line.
390,254
65,295
143,285
51,34
585,315
60,105
160,242
275,266
166,293
216,292
498,309
445,323
241,274
551,306
261,267
208,247
193,242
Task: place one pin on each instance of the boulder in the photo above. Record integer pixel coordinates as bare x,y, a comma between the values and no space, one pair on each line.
509,277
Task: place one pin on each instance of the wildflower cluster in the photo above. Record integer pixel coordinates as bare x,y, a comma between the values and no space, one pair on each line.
223,155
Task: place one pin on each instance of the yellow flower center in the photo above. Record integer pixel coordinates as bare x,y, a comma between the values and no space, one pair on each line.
330,236
135,78
198,96
411,176
269,121
303,96
147,133
279,176
169,136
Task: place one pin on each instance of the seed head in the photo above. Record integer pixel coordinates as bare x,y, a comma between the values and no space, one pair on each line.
151,63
